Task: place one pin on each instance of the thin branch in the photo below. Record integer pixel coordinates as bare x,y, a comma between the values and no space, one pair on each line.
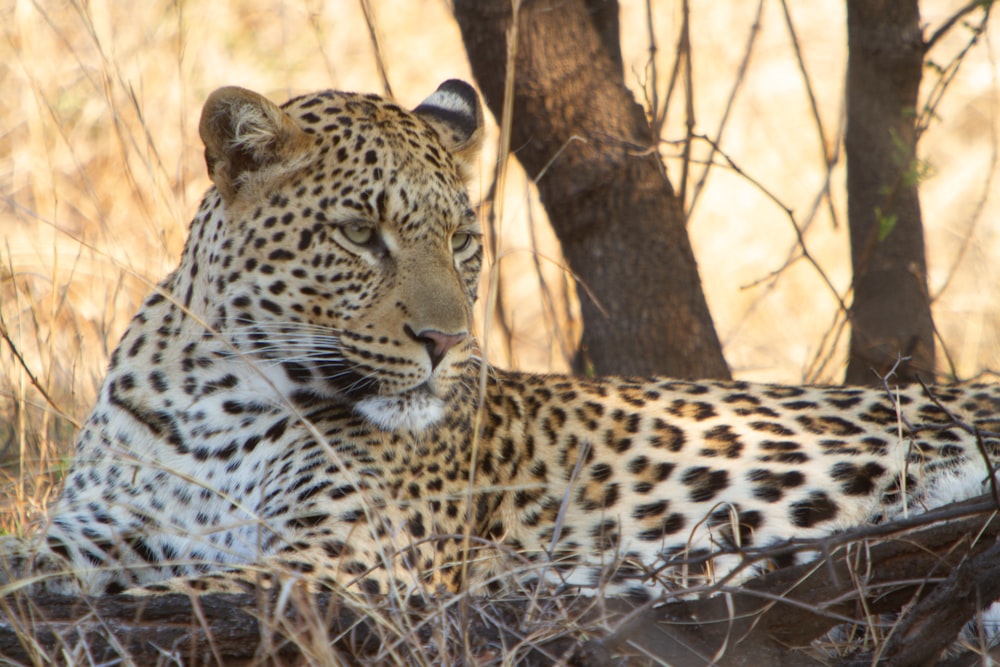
366,9
679,55
980,204
5,335
948,73
829,160
737,84
800,239
689,115
955,18
654,99
549,300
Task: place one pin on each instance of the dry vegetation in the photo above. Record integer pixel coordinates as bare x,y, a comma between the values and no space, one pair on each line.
100,170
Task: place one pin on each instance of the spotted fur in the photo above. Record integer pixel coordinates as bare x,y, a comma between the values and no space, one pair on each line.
304,394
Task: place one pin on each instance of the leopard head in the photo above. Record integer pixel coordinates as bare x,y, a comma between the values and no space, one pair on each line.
339,245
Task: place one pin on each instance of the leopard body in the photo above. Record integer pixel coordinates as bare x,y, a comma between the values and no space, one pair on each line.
303,396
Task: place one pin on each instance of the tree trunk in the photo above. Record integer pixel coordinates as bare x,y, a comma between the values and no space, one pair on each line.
604,187
891,315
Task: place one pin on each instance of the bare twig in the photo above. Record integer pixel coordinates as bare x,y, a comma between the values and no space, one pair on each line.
828,158
5,335
948,73
366,9
684,48
978,209
800,239
737,84
950,22
655,113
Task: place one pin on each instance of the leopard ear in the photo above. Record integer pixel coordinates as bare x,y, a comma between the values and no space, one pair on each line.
244,133
454,111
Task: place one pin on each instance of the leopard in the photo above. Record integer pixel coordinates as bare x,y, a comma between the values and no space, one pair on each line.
304,398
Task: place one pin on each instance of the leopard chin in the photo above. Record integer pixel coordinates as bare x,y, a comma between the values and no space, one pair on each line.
414,410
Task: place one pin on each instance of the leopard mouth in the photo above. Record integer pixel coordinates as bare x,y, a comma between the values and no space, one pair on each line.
346,381
413,409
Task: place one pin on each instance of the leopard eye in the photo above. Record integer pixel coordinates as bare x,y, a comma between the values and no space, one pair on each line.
358,234
460,241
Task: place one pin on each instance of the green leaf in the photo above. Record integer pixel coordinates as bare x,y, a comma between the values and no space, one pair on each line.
886,223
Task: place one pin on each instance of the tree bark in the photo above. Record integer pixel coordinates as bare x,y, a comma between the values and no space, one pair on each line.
891,314
581,136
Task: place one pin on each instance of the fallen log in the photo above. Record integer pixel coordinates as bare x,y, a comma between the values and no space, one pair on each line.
934,570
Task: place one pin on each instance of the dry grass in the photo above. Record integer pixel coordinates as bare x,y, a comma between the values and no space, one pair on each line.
101,169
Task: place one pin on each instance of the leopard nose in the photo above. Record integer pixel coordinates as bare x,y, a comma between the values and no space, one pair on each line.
437,342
